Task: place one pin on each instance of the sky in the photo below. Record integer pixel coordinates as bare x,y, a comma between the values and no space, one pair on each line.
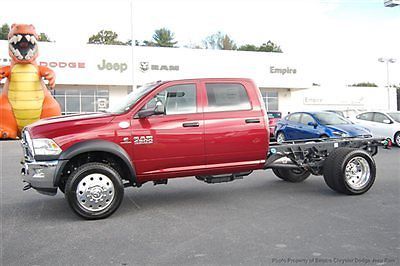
337,41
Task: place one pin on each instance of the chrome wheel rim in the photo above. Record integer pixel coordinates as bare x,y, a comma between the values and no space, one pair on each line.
95,192
357,173
280,138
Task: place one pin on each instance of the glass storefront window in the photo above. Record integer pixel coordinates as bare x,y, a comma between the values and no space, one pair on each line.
74,101
271,100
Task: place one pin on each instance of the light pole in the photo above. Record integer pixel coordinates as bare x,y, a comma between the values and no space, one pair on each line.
387,61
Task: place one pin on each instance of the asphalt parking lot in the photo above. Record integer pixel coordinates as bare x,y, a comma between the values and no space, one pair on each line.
260,220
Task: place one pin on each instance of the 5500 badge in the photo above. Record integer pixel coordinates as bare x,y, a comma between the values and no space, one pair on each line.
143,140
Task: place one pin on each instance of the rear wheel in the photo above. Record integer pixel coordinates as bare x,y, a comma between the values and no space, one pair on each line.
349,171
291,175
280,137
94,190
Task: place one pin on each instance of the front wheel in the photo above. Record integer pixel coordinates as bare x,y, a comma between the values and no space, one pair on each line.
349,171
291,175
280,137
94,191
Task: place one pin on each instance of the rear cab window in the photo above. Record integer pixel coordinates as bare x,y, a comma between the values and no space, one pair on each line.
224,97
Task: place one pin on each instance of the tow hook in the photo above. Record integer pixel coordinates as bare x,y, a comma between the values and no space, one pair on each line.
26,187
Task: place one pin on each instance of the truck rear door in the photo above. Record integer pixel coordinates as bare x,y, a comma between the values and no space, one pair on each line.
235,131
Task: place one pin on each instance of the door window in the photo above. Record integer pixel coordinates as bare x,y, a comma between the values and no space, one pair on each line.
294,118
379,117
365,116
305,119
227,97
178,99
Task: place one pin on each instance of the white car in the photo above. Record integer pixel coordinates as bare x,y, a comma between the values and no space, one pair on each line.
381,124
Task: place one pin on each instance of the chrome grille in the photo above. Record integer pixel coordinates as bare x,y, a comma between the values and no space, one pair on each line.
26,143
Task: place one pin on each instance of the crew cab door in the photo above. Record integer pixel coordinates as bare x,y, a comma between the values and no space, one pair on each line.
172,142
235,129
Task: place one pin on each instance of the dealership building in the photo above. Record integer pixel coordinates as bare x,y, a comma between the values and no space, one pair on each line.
94,77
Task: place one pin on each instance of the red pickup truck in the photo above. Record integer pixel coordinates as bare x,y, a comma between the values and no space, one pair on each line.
213,129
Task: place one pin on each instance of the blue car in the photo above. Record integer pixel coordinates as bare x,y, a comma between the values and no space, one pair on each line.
310,125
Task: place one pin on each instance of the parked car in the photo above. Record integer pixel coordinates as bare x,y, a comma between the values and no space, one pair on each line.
273,117
310,125
348,113
382,124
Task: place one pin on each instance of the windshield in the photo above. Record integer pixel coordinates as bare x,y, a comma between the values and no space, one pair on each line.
131,99
331,119
395,116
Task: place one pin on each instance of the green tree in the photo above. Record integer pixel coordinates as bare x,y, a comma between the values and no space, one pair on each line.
43,37
162,38
248,47
4,30
219,41
270,47
106,37
364,84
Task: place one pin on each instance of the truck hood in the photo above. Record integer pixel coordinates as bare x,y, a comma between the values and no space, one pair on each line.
351,129
53,127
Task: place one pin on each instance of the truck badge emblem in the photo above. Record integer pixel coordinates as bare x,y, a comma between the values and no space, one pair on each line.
143,140
144,66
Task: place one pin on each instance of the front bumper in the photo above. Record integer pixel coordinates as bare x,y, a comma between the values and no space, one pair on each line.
40,175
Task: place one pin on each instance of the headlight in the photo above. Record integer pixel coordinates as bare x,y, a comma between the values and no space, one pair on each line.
340,134
45,147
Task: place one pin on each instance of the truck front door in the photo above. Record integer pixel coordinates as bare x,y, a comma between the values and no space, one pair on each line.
172,142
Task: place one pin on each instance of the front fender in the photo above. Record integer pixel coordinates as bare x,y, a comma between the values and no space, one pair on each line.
94,146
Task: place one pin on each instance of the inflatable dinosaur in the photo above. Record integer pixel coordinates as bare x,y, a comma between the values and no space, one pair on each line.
25,98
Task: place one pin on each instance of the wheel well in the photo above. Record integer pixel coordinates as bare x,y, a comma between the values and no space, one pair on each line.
98,156
324,136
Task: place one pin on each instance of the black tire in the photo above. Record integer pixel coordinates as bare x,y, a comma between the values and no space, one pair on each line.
334,171
396,139
280,137
291,175
105,188
62,188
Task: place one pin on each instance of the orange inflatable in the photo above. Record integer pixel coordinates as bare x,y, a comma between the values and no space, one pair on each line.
25,98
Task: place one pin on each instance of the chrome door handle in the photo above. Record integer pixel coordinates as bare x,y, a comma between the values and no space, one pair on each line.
252,121
191,124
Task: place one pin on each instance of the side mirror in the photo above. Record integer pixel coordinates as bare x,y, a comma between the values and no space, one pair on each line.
312,124
158,110
145,113
387,121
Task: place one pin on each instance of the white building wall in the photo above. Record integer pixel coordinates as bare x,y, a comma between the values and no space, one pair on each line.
117,94
343,98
